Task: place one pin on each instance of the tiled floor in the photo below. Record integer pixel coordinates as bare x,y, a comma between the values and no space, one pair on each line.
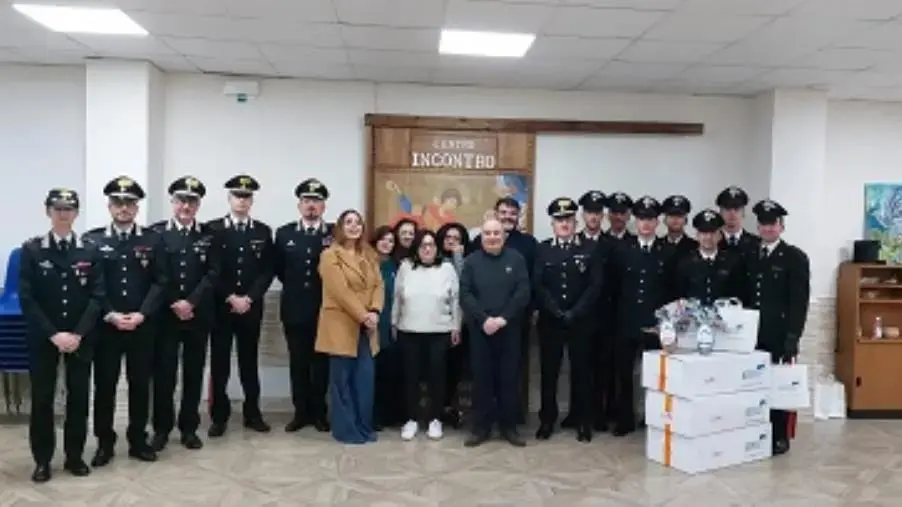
832,464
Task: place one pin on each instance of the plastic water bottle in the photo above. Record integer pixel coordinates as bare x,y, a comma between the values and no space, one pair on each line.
705,339
667,334
878,328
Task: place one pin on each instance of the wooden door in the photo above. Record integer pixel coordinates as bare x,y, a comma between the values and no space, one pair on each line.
436,176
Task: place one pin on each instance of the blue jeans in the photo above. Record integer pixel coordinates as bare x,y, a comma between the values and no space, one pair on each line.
351,391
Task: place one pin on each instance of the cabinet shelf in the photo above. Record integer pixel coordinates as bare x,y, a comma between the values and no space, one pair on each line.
867,366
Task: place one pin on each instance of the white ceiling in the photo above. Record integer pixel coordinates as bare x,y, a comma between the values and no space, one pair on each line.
853,48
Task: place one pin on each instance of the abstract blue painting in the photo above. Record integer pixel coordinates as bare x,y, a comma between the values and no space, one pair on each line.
883,218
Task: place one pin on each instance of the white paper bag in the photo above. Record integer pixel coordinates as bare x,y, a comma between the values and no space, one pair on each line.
829,399
741,333
789,387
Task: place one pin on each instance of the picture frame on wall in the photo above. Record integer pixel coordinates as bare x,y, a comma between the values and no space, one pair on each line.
883,219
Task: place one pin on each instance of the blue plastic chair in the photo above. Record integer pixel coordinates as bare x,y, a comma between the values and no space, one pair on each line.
9,299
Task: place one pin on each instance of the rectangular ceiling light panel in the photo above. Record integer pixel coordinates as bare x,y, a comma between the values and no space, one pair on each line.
492,44
88,20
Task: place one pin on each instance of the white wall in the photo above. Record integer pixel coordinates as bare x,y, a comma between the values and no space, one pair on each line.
42,145
299,129
864,145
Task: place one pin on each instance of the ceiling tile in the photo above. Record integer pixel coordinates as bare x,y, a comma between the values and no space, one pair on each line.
174,64
742,7
240,29
680,87
401,39
667,52
391,59
125,46
214,49
707,27
642,70
304,54
404,13
872,10
305,10
628,84
805,78
393,74
18,31
496,16
601,22
298,69
576,48
639,5
194,7
235,66
883,36
719,74
787,39
846,59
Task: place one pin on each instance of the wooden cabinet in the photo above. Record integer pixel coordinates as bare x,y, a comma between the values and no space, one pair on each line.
869,296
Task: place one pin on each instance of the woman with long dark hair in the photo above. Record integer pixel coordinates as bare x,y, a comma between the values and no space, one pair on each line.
454,243
389,409
426,316
348,328
404,229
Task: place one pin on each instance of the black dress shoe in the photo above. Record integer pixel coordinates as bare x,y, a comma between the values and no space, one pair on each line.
476,439
258,425
584,433
102,457
216,430
192,441
513,438
41,474
77,467
295,424
453,418
143,453
622,430
322,425
780,447
544,432
568,422
159,442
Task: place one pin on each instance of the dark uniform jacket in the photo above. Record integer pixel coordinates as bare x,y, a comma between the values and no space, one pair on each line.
60,291
747,242
710,280
247,259
684,246
192,261
135,270
605,307
645,282
296,257
567,280
778,287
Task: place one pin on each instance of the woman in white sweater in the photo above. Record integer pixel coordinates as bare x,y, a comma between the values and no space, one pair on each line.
426,318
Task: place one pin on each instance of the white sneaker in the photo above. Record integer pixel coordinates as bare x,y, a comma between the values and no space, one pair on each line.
410,430
435,430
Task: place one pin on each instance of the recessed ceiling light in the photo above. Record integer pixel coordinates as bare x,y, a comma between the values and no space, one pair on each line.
498,44
66,19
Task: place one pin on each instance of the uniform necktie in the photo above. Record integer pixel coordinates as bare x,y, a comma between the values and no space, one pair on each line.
764,252
64,245
123,236
311,231
733,240
185,232
242,226
646,248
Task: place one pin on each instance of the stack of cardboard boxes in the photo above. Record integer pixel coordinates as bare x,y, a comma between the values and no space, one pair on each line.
706,412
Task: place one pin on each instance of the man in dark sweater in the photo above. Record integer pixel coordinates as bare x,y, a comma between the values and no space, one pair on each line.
495,294
507,211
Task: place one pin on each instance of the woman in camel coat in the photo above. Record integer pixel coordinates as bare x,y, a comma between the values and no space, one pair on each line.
348,328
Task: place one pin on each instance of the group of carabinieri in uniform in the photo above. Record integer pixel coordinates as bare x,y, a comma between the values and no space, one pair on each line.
596,293
155,296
